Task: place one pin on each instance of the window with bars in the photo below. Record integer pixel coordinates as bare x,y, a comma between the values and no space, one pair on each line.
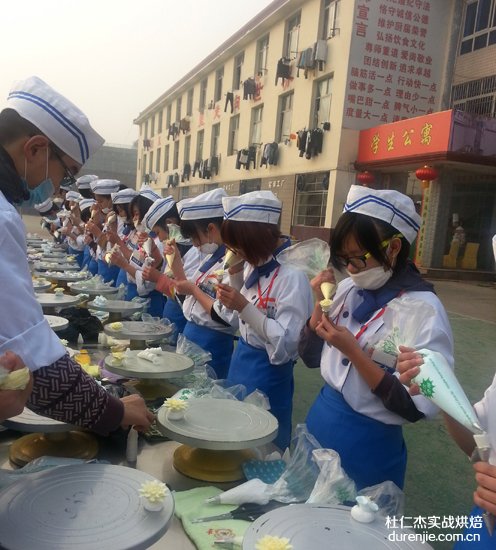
479,25
200,138
219,76
285,116
262,54
175,159
292,35
232,145
179,104
238,67
322,102
476,96
187,149
169,116
166,158
329,19
202,100
152,125
214,143
160,117
311,200
158,160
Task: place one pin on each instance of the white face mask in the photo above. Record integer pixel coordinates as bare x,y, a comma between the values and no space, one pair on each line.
371,279
105,210
208,248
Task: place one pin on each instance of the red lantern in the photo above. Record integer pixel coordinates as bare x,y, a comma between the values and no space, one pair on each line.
426,174
366,178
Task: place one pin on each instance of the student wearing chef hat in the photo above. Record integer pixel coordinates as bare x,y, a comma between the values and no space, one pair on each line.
362,406
43,139
201,219
272,303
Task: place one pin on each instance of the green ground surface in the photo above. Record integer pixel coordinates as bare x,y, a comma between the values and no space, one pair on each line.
439,477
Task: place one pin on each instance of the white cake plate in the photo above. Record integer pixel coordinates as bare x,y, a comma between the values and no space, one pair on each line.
91,290
53,266
52,300
138,332
40,287
172,365
118,309
57,323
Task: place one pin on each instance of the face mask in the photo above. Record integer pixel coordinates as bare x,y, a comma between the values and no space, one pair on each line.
371,279
140,228
105,210
40,193
208,248
174,231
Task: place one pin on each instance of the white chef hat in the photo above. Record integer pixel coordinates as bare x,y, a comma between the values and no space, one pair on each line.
59,119
257,206
45,206
73,196
205,206
104,187
86,203
149,193
66,185
124,196
390,206
84,182
156,211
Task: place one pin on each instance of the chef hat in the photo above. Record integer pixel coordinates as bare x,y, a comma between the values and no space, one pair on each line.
66,185
59,119
205,206
45,206
86,203
156,211
390,206
124,196
105,187
257,206
84,182
149,193
73,196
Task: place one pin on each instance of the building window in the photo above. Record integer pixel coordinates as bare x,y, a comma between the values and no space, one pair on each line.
238,67
256,125
150,164
175,160
329,18
214,144
152,125
247,186
200,138
169,116
189,105
232,145
178,109
160,117
187,149
184,192
322,102
479,27
159,160
476,96
311,199
219,75
285,116
202,103
166,158
144,167
292,34
146,130
262,54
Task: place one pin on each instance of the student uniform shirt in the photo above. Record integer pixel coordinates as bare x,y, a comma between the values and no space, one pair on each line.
486,411
279,306
23,328
339,373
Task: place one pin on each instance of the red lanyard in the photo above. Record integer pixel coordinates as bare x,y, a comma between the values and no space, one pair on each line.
263,302
366,326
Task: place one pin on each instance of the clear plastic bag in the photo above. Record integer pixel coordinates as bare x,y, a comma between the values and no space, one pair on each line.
333,486
310,256
299,477
388,496
193,351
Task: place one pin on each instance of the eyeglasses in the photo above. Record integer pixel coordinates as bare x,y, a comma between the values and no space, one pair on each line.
68,175
360,262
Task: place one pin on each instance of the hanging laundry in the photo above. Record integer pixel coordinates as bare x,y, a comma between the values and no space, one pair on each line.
249,88
245,157
229,99
283,69
173,131
214,165
186,172
320,53
270,154
184,125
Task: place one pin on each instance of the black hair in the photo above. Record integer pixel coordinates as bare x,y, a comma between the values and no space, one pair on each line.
171,214
86,193
142,204
192,229
13,126
369,233
256,241
86,214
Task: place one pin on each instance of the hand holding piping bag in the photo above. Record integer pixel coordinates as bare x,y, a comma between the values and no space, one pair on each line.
170,249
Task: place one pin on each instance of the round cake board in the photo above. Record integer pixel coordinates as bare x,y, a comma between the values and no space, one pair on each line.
171,365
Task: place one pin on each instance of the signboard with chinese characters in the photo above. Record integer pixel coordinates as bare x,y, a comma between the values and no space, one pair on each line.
417,136
397,60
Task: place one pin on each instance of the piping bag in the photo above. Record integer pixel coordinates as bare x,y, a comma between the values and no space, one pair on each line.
438,383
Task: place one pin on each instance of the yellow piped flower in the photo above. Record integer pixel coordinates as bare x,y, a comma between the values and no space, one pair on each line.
92,370
116,326
173,404
273,543
154,491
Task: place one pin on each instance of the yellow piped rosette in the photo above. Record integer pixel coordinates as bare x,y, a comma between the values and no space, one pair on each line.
269,542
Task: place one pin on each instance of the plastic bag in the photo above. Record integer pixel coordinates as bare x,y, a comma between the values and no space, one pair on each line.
310,256
333,486
388,496
259,399
193,351
403,319
299,477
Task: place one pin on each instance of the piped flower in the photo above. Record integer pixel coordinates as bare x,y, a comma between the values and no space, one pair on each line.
175,405
273,543
154,491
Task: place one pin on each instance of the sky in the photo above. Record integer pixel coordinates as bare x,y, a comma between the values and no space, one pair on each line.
113,58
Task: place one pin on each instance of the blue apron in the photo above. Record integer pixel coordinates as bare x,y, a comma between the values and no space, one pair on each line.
251,367
108,272
156,298
121,278
174,312
371,452
78,254
89,261
486,542
219,344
